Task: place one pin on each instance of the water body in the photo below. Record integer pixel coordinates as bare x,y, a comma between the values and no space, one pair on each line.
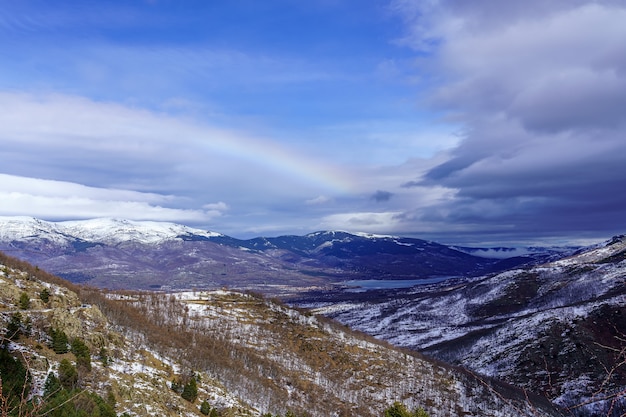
387,284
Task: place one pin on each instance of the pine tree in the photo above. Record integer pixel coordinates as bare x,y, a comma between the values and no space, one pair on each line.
59,341
205,408
52,386
190,391
14,327
24,301
81,351
68,376
15,379
44,295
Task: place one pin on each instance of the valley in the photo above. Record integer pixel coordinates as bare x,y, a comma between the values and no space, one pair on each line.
550,322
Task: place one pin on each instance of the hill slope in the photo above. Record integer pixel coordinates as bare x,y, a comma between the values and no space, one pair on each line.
558,329
246,355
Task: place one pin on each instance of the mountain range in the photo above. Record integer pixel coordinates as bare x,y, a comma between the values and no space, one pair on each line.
115,253
551,322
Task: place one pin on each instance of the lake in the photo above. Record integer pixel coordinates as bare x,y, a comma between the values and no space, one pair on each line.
385,284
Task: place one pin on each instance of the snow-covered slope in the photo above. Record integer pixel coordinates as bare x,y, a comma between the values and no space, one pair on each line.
557,329
247,356
107,231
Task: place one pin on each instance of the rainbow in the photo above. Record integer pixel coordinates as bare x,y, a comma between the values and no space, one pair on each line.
280,159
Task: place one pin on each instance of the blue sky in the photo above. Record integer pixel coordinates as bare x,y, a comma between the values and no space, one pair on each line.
463,122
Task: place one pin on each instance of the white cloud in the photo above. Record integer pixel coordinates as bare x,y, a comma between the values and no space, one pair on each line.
219,206
371,222
60,200
322,199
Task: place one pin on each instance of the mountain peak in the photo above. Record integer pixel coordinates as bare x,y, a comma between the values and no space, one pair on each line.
100,230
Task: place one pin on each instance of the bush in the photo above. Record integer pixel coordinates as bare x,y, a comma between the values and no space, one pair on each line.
399,410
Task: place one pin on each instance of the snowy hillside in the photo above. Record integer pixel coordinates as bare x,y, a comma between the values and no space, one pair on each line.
556,329
106,231
244,356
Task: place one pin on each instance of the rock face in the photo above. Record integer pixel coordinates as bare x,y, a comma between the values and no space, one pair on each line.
557,329
247,355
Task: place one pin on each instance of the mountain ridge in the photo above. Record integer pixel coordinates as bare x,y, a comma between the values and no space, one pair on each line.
118,253
557,328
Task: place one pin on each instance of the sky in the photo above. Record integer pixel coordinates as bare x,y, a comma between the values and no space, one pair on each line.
482,122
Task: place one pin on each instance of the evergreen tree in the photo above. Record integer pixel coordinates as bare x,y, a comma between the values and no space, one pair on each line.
190,391
27,327
14,376
44,295
52,386
59,341
205,408
24,301
68,376
81,351
14,327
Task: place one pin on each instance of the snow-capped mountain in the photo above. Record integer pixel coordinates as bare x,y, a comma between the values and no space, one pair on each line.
130,254
556,329
106,231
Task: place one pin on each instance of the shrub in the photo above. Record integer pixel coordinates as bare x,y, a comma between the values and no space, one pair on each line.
399,410
44,295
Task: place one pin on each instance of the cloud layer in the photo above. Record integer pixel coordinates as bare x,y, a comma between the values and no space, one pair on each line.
540,90
481,121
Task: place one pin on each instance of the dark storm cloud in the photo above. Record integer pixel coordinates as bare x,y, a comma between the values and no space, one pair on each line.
541,93
381,196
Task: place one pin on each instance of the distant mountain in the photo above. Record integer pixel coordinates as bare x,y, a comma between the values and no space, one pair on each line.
557,329
153,255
